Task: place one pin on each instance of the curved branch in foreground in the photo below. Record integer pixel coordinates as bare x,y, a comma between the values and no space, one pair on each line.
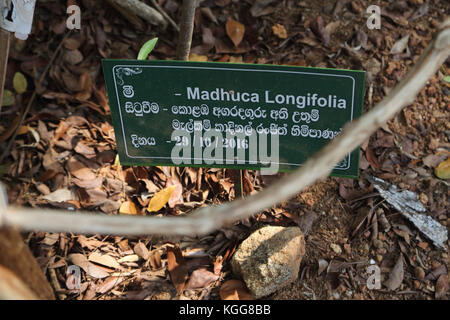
205,220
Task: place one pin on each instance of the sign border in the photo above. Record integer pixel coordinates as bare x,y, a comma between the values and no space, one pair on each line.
228,69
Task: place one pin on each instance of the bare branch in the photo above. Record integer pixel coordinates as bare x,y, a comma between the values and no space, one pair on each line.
144,11
207,219
165,15
186,29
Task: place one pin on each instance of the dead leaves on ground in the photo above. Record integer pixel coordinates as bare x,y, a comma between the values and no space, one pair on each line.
235,290
235,31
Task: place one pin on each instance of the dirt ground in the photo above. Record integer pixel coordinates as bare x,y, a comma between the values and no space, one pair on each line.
72,119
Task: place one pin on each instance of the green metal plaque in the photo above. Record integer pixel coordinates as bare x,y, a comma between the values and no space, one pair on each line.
304,108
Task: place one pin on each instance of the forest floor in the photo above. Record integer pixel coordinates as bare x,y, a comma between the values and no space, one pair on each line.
65,154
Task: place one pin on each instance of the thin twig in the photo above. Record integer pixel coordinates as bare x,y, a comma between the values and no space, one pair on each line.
186,29
30,102
165,15
207,219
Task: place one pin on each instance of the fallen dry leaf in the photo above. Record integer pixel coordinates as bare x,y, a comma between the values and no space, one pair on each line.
61,195
109,284
280,31
400,45
235,31
441,287
396,275
91,269
177,194
129,258
235,290
177,268
141,250
128,207
104,259
198,58
79,170
160,199
200,278
317,26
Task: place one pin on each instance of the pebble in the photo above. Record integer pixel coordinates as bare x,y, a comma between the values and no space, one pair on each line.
336,248
269,259
379,258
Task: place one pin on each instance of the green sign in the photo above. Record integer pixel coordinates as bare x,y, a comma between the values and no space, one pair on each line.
239,116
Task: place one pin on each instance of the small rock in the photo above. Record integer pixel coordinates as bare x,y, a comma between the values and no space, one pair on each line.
269,259
336,248
419,273
379,258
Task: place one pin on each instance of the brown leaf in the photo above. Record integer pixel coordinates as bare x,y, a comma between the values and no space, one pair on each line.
436,273
104,259
79,170
177,268
441,287
258,7
177,194
396,275
235,290
109,284
141,250
61,195
128,207
50,161
86,151
306,221
280,31
235,31
433,160
155,260
90,268
372,158
201,278
317,26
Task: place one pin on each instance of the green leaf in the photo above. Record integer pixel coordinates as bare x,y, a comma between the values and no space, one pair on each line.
147,48
447,79
20,83
8,98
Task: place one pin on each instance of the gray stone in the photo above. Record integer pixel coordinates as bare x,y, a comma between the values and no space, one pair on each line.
269,259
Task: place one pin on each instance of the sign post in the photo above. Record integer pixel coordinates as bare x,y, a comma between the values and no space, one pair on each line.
237,116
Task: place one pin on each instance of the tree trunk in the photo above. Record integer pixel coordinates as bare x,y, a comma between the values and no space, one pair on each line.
17,258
